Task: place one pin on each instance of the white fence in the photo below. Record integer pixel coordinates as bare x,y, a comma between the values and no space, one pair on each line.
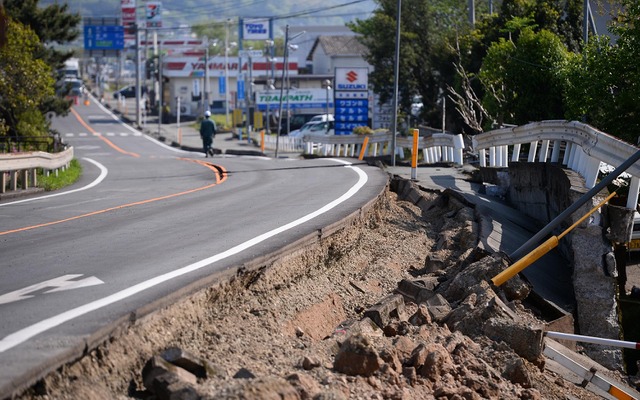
578,146
439,147
22,167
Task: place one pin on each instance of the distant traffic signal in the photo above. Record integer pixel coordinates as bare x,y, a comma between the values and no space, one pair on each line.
152,68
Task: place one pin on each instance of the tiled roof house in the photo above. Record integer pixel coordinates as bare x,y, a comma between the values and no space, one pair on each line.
329,52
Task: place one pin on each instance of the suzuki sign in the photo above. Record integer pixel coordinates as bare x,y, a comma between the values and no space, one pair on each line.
352,79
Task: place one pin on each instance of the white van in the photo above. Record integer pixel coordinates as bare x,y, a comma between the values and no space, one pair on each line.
72,68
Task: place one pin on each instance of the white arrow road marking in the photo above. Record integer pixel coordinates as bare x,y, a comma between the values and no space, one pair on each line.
60,284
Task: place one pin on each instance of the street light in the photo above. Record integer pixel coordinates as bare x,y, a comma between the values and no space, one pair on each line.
292,47
327,85
270,88
226,72
207,103
286,62
270,47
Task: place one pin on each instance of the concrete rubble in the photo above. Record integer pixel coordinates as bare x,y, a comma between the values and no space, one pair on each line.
448,330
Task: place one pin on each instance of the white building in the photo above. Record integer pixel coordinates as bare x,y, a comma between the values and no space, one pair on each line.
304,86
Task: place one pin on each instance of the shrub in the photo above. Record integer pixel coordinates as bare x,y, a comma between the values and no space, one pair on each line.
362,130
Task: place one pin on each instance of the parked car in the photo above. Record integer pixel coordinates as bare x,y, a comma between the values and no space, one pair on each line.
315,128
322,117
128,92
298,120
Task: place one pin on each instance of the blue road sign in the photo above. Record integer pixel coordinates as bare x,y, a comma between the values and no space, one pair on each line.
103,37
240,89
222,85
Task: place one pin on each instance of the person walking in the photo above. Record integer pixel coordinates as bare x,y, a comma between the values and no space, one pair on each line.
207,133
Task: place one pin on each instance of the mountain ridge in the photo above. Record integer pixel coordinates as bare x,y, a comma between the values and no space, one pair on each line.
186,13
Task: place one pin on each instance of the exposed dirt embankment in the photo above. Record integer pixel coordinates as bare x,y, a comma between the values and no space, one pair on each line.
296,329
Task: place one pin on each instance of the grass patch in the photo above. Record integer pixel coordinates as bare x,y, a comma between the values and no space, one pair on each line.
64,178
219,119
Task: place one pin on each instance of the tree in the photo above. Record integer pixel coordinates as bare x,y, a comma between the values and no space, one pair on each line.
523,78
25,82
562,18
603,86
52,25
426,59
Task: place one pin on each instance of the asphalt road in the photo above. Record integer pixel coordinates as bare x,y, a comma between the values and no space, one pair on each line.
144,222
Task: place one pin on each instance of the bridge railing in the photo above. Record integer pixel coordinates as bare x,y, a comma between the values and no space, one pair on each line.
437,147
19,169
578,146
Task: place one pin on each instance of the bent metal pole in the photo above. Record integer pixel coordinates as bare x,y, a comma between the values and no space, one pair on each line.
541,250
593,340
531,243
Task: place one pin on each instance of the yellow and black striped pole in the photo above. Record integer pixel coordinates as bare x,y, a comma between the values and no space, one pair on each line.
541,250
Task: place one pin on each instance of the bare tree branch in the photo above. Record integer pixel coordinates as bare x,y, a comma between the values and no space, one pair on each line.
467,103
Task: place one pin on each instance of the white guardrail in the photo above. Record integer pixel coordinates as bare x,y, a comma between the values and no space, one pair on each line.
578,146
21,167
437,147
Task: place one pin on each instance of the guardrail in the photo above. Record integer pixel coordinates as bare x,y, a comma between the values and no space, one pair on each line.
437,147
19,169
578,146
284,143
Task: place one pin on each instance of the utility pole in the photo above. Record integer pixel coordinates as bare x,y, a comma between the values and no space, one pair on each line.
138,62
396,73
206,105
286,53
160,97
226,72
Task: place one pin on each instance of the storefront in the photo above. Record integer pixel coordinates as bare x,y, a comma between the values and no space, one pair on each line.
185,80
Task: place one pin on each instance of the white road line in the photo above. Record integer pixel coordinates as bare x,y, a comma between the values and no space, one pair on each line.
25,334
137,132
100,178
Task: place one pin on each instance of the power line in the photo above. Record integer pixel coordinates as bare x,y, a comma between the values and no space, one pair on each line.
234,6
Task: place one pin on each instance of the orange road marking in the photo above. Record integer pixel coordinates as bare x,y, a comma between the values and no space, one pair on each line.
220,173
104,139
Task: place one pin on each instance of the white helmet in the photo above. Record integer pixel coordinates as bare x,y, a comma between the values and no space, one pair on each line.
207,113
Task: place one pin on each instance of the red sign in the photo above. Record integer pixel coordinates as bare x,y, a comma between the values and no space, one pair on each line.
128,15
